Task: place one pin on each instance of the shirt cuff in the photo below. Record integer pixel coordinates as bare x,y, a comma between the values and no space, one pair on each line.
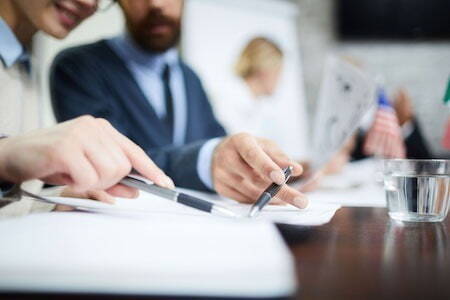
407,129
5,187
204,162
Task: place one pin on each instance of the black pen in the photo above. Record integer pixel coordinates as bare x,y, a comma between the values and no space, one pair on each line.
269,193
140,183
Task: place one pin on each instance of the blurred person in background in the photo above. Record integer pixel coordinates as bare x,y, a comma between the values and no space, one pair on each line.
138,82
258,70
86,154
391,129
384,138
394,132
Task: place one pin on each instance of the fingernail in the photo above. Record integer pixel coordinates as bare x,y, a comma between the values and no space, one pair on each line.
301,202
277,177
300,167
110,200
169,183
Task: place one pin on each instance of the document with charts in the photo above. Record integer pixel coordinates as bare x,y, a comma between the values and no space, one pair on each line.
346,94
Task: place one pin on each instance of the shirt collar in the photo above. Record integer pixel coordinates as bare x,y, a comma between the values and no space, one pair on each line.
11,50
132,53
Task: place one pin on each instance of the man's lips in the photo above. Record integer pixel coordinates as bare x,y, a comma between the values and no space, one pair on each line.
160,28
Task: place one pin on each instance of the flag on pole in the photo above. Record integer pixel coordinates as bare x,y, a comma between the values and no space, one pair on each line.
446,139
447,94
384,138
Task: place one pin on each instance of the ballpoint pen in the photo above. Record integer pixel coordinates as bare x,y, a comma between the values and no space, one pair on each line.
269,193
145,185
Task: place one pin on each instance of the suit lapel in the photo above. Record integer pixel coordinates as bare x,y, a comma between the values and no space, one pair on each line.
191,108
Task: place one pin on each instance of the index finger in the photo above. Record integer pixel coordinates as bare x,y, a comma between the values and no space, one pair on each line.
281,159
252,153
139,159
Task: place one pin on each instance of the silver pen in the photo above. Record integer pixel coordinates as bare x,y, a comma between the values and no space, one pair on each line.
140,183
269,193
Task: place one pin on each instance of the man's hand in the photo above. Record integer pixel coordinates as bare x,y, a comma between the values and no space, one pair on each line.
244,166
403,106
84,153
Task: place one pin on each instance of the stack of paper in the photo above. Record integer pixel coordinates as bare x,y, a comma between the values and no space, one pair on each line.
161,254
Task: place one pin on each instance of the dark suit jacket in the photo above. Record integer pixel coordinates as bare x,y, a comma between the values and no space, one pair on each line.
93,80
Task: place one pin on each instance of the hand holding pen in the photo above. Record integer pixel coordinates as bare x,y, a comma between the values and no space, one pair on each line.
269,193
244,166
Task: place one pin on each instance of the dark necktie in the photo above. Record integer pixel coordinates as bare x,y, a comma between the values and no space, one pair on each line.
168,119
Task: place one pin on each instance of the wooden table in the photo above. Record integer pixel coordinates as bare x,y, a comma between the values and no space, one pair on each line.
362,254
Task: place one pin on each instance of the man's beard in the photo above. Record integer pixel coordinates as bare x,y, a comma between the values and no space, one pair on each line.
156,42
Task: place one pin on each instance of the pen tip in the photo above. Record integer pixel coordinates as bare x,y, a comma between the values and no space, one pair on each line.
253,212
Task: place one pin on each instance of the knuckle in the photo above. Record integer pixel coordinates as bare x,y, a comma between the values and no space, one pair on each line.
90,179
266,141
84,120
222,159
219,189
54,154
102,122
241,137
253,192
77,131
251,152
267,168
123,169
259,181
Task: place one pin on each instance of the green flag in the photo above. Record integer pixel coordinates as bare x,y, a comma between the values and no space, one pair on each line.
447,94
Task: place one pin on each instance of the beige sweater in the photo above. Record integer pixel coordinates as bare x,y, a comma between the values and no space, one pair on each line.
19,113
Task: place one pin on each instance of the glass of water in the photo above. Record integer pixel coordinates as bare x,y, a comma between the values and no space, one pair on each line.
417,190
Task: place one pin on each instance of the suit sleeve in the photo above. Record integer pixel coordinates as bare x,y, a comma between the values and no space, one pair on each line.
77,89
416,145
180,164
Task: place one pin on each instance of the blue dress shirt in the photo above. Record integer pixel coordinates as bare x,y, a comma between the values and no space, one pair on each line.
11,50
147,69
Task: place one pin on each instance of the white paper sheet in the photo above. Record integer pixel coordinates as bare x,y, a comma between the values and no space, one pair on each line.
315,214
357,186
147,204
161,254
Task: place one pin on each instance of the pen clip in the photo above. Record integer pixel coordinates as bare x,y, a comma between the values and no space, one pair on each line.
288,173
138,177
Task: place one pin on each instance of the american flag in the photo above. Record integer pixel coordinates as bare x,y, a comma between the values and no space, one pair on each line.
384,138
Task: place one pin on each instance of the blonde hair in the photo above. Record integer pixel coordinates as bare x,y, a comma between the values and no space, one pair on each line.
259,54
